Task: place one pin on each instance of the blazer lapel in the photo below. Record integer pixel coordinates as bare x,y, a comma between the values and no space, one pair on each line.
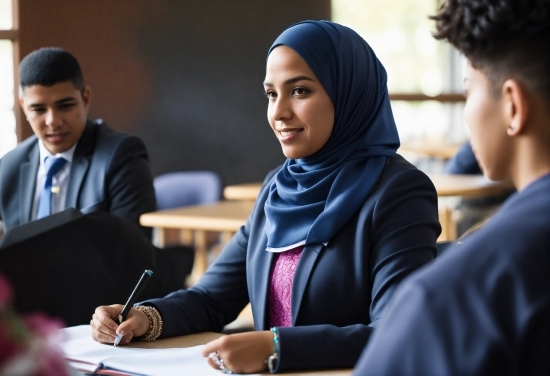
27,182
80,164
261,282
301,276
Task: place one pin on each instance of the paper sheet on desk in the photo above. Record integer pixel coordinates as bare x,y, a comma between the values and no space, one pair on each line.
153,362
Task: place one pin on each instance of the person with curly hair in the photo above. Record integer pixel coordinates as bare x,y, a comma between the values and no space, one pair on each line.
484,307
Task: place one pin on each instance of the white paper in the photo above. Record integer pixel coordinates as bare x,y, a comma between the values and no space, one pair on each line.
153,362
76,332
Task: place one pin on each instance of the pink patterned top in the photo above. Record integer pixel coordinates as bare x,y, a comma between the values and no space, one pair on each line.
280,287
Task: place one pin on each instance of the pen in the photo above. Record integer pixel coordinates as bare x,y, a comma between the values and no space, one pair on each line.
131,300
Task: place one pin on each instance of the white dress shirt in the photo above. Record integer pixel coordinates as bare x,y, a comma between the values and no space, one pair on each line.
60,180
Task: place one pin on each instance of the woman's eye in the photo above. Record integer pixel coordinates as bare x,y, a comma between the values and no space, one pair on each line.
270,95
300,91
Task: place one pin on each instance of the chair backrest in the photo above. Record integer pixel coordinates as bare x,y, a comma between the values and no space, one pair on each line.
186,188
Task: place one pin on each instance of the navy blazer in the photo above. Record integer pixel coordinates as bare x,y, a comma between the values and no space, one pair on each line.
109,173
339,290
483,308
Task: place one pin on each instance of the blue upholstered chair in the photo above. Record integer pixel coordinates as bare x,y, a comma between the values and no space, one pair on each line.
184,188
173,190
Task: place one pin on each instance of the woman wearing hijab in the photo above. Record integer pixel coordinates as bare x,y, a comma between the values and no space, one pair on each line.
333,232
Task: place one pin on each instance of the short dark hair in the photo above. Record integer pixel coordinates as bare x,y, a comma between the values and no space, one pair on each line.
502,38
48,66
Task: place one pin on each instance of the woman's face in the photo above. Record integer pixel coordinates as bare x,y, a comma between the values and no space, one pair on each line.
300,111
485,116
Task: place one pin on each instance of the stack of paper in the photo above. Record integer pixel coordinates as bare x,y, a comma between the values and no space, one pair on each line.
85,354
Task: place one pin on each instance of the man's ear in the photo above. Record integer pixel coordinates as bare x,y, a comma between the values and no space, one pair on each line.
517,106
87,98
22,104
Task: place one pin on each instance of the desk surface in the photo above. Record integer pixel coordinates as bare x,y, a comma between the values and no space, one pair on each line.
467,185
445,185
222,216
201,339
430,149
247,191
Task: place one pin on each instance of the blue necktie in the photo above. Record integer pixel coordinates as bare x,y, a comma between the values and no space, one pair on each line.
53,165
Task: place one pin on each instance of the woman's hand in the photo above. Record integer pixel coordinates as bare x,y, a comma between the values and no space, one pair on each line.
105,329
242,352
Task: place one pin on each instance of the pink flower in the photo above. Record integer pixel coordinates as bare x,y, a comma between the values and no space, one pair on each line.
43,325
13,334
52,363
8,346
28,346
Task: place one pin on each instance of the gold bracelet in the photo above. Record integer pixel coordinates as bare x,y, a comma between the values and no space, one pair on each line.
155,323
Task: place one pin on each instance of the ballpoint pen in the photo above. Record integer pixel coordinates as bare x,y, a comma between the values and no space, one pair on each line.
131,300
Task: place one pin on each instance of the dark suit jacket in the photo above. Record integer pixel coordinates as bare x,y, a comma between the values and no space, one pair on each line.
483,308
109,173
339,290
70,269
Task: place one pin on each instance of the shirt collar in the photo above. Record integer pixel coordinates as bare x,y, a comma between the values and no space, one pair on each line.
68,155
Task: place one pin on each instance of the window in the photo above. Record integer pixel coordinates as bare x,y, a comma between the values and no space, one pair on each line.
8,38
424,75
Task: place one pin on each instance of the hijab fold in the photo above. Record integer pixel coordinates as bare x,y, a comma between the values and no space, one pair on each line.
313,197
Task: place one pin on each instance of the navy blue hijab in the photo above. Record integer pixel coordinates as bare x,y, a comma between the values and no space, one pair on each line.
313,197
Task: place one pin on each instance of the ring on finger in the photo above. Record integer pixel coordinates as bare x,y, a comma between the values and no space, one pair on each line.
224,369
215,356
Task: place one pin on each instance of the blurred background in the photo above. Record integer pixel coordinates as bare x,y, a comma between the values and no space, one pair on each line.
186,76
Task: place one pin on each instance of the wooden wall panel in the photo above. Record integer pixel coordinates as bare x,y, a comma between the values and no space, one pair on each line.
184,75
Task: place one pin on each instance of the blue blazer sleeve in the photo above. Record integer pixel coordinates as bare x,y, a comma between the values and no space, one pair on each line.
340,290
482,309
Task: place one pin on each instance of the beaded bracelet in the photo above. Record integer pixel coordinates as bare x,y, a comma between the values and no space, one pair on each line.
155,323
271,361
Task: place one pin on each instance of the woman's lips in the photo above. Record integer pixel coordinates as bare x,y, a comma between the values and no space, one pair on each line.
289,134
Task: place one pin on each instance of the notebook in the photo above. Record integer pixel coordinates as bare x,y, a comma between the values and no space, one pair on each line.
89,356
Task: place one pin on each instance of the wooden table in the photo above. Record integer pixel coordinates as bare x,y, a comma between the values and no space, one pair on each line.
462,186
467,185
429,149
203,338
225,217
445,185
246,191
189,341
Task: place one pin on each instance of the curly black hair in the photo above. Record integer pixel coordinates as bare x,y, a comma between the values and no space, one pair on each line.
502,38
48,66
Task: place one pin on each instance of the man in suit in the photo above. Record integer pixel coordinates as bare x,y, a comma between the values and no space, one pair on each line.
93,168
